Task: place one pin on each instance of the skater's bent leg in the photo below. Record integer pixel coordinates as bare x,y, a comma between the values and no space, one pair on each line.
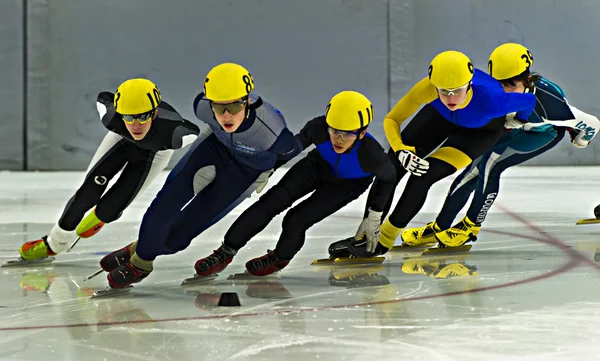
229,187
444,162
177,191
458,195
326,200
299,180
94,185
140,171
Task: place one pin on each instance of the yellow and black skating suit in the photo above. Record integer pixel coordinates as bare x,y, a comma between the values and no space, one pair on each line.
448,140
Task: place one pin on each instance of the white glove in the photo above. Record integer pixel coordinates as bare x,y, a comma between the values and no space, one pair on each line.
512,122
370,227
412,163
262,180
577,140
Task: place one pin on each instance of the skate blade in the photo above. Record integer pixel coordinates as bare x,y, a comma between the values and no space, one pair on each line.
245,276
588,221
348,260
20,262
198,280
407,248
93,275
107,292
438,250
73,244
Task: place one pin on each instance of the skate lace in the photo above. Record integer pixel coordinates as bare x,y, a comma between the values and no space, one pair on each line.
215,259
459,230
267,260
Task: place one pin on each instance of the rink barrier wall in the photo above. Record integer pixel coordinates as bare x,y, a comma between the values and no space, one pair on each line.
58,54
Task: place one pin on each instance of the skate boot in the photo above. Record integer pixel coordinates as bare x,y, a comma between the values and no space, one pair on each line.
89,226
339,249
118,258
34,250
216,262
354,248
461,233
125,275
414,237
265,265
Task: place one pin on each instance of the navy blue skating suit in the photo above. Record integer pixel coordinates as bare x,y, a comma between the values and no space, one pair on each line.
218,172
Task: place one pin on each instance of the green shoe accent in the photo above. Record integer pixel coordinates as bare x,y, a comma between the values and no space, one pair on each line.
33,250
89,226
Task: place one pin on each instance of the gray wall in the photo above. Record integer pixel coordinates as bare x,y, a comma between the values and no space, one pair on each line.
300,54
11,84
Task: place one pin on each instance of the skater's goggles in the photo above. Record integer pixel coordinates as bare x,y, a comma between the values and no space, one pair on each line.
141,118
344,134
233,107
456,91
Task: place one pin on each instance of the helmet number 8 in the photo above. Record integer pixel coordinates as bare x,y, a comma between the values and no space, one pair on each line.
247,78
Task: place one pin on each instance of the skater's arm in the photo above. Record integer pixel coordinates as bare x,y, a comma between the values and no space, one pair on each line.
286,147
312,132
184,134
588,126
422,93
106,110
521,103
372,159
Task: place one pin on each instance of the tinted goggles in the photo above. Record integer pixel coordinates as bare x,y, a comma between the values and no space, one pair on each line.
141,118
344,134
232,108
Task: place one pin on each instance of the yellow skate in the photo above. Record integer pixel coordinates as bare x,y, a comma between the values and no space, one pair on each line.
89,226
415,237
32,253
461,233
34,250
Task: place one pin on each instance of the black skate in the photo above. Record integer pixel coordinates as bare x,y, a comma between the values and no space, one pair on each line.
340,249
265,265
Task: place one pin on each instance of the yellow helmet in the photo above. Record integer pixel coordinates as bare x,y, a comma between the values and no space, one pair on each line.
509,60
349,110
137,96
450,70
227,81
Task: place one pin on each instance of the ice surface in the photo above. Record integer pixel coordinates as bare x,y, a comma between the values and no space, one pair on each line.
533,295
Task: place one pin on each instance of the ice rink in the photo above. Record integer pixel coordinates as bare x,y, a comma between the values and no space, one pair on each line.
528,290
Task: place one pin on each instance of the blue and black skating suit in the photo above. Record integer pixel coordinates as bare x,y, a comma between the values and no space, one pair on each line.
545,128
334,180
218,172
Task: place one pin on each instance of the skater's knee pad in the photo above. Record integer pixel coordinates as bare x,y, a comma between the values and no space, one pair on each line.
59,239
203,177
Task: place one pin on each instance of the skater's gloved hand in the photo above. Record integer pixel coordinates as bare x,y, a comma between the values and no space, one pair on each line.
576,138
262,180
412,163
512,122
370,228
